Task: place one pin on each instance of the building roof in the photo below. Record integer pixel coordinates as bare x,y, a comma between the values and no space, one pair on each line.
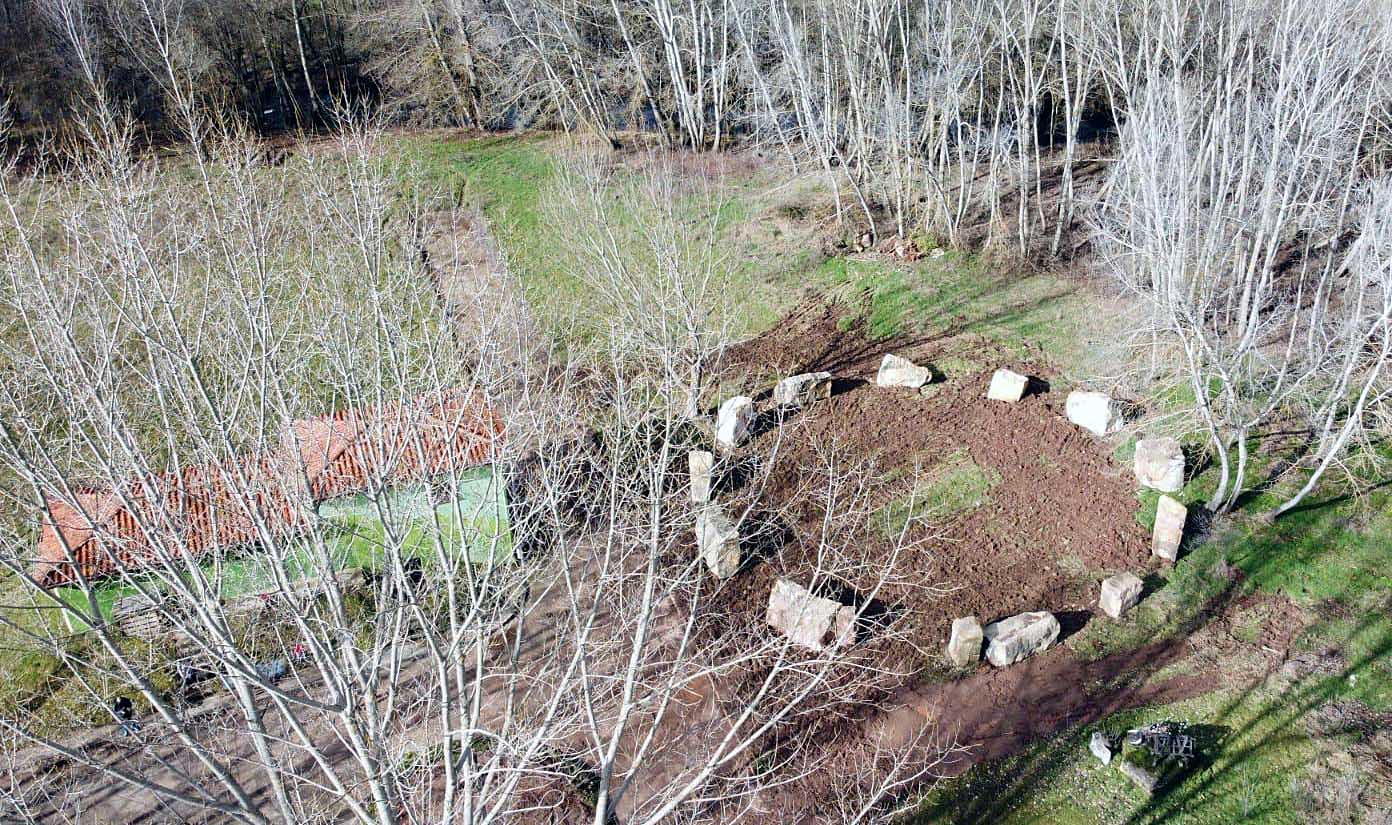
262,496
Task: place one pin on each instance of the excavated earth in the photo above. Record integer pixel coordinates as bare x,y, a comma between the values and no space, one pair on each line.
1060,517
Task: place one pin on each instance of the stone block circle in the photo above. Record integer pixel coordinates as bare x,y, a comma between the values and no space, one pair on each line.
802,390
1096,412
1159,464
1120,593
901,372
807,619
1170,516
1007,386
699,466
717,541
733,421
964,645
815,623
1019,637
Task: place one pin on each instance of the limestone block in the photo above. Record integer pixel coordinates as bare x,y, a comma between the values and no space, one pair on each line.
809,620
1159,464
1007,386
901,372
1019,637
1120,593
733,421
964,645
1169,528
1101,747
717,540
1094,411
802,390
698,465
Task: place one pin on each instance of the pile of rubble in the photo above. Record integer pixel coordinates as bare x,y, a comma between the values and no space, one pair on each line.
1150,756
820,623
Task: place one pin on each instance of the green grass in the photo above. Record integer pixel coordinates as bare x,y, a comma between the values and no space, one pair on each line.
1329,559
952,486
960,293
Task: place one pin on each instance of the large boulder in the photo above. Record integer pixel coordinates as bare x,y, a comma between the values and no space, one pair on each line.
1094,411
733,421
964,645
1159,464
717,540
699,464
1007,386
1019,637
1170,516
802,390
807,619
901,372
1120,593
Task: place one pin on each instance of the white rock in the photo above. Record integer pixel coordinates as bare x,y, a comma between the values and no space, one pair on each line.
733,421
698,466
801,390
1169,528
901,372
1160,464
1120,593
808,619
1007,386
1019,637
717,540
1094,411
964,646
1101,747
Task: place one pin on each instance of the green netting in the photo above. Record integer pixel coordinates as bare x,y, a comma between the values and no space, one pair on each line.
360,531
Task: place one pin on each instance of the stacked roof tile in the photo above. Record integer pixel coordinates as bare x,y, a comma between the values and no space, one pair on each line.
266,496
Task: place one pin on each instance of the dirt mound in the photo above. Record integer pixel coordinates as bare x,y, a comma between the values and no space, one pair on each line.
1047,516
1057,517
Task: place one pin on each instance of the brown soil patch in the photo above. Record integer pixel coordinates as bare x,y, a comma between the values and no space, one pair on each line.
1060,516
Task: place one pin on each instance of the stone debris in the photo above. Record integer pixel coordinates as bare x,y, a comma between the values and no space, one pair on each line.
1101,746
699,464
733,421
1120,593
964,645
901,372
1144,779
1007,386
1094,411
1019,637
1170,516
717,540
1163,741
802,390
807,619
1160,464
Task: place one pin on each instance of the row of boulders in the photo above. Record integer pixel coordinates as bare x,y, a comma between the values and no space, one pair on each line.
1007,641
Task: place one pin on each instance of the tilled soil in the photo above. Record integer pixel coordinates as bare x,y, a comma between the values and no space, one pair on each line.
1060,518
